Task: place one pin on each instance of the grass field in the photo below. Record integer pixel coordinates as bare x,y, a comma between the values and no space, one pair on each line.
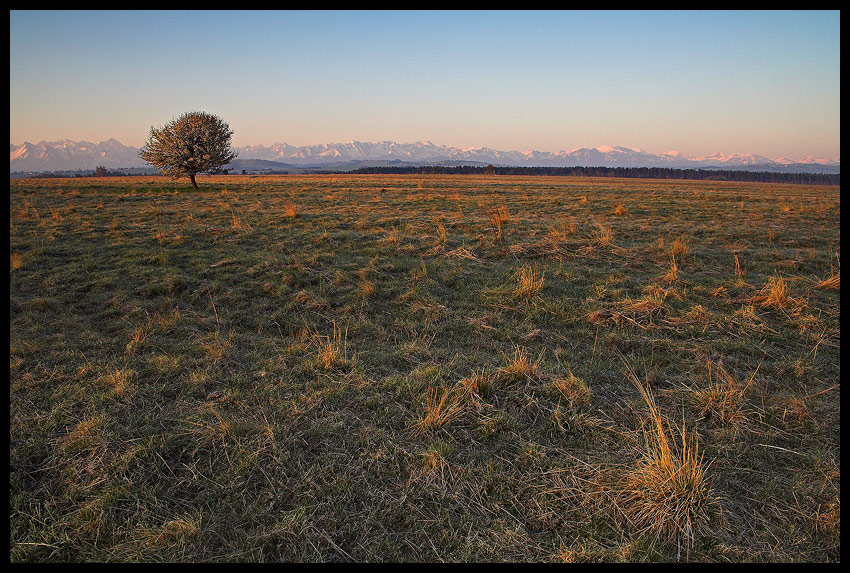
423,368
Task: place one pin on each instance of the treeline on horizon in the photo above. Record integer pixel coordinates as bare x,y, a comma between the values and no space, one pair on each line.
626,172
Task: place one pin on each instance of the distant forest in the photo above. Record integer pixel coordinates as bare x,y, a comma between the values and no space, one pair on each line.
627,172
636,172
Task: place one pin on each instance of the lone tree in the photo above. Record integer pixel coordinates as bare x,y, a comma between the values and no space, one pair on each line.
196,142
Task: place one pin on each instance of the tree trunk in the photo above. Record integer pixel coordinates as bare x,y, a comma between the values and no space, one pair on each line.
192,179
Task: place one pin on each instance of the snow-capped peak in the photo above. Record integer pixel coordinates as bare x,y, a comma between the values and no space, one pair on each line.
69,155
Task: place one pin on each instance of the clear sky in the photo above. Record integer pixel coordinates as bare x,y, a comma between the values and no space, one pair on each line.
697,82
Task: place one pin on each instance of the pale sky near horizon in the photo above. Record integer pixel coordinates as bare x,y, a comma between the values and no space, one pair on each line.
766,83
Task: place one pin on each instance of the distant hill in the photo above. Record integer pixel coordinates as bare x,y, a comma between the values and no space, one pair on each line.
66,155
71,155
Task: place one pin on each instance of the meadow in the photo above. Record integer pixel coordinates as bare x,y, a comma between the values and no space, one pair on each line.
423,368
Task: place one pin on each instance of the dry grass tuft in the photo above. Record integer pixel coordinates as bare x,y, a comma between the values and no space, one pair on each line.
442,235
310,301
215,344
558,234
332,351
440,409
237,221
289,211
723,398
774,294
668,492
672,274
391,237
476,386
604,234
679,247
795,410
365,289
86,436
696,316
177,529
433,459
575,390
832,282
120,380
650,303
498,217
739,273
433,470
15,261
519,366
529,283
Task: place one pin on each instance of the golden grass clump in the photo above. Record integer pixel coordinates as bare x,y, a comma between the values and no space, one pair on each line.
477,385
177,529
238,221
558,234
332,351
575,390
15,261
391,237
140,334
365,289
289,211
775,293
604,234
498,217
833,282
442,235
696,316
310,301
215,344
679,247
86,437
520,366
672,274
651,302
529,283
433,459
433,469
211,432
440,409
119,380
796,410
723,398
668,492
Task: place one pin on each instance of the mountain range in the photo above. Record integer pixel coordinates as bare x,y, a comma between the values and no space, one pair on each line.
67,155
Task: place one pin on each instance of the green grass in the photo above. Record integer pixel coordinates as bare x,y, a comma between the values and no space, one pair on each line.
423,368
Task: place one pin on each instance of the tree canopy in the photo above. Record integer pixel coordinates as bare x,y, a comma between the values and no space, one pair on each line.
196,142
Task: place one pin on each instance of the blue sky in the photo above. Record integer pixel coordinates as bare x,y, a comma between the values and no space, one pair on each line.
695,82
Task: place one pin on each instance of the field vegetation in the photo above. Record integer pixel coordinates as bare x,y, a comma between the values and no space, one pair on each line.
423,368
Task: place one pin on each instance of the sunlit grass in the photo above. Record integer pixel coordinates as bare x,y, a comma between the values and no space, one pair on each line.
423,368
